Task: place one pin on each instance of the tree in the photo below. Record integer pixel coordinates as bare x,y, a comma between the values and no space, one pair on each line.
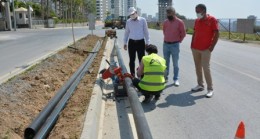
36,7
90,6
180,16
62,8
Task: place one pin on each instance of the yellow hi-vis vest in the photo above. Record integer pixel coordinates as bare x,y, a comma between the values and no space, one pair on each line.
154,67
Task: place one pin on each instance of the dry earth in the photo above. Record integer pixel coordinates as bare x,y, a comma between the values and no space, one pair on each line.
24,96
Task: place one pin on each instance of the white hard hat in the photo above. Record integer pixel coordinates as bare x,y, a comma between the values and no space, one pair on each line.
131,10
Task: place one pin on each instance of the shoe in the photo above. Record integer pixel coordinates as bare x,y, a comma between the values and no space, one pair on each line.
197,88
209,93
156,97
147,99
176,83
166,79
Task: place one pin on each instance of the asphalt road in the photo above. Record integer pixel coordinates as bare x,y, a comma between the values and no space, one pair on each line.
19,49
182,114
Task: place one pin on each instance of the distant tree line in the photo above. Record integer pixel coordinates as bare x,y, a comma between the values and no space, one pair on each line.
180,16
62,10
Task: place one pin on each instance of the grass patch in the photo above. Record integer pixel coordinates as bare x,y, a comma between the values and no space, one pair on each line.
240,36
225,35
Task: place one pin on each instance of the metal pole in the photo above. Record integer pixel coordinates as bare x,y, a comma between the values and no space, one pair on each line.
229,29
14,16
8,17
29,17
72,23
66,14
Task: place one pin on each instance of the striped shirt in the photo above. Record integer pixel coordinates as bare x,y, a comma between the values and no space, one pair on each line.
136,30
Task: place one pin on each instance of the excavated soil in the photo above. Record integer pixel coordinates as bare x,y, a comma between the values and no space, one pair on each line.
24,96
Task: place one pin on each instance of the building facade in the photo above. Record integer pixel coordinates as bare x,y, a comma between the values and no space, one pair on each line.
105,9
162,5
114,8
99,9
139,11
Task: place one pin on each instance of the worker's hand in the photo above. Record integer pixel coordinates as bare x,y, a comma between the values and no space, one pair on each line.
125,47
210,49
146,45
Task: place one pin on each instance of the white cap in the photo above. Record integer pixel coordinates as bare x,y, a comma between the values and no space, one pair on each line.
131,10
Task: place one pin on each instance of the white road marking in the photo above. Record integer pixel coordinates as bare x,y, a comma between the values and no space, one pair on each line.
246,74
233,69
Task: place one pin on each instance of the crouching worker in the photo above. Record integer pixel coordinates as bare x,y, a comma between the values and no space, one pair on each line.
151,69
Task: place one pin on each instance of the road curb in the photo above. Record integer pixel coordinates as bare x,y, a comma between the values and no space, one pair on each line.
95,107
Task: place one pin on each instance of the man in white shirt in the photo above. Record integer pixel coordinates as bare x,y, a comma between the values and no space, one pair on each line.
136,36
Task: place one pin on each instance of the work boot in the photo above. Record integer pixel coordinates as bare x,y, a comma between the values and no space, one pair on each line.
147,99
166,79
157,97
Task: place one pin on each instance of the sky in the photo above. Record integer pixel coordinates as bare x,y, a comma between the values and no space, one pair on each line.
218,8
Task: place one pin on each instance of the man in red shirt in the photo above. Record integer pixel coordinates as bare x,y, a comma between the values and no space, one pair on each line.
204,39
174,32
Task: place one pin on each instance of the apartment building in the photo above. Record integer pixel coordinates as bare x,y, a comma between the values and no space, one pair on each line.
99,10
139,11
162,5
116,8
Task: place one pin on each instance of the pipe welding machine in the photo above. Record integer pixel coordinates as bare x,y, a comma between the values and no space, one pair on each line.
115,73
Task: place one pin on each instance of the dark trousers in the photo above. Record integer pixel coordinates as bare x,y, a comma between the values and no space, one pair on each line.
146,93
133,47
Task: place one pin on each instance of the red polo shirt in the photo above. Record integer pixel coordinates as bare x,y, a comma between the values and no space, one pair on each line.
204,32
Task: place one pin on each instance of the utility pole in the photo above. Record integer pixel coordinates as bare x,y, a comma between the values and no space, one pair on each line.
29,17
14,16
72,1
8,15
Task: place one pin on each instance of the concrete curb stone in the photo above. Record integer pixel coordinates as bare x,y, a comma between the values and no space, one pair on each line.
94,110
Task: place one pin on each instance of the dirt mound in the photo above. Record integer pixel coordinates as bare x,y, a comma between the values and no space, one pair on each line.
24,96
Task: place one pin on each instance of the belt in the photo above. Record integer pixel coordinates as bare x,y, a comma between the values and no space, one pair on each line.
136,40
171,42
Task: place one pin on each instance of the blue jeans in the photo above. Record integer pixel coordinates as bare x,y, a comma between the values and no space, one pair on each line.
174,50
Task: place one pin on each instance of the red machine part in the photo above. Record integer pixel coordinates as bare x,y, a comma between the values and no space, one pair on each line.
120,75
118,72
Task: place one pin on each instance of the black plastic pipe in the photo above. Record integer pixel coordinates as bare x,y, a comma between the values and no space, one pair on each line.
35,126
142,127
50,122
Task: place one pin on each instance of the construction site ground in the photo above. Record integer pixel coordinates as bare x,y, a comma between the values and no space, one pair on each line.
25,95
